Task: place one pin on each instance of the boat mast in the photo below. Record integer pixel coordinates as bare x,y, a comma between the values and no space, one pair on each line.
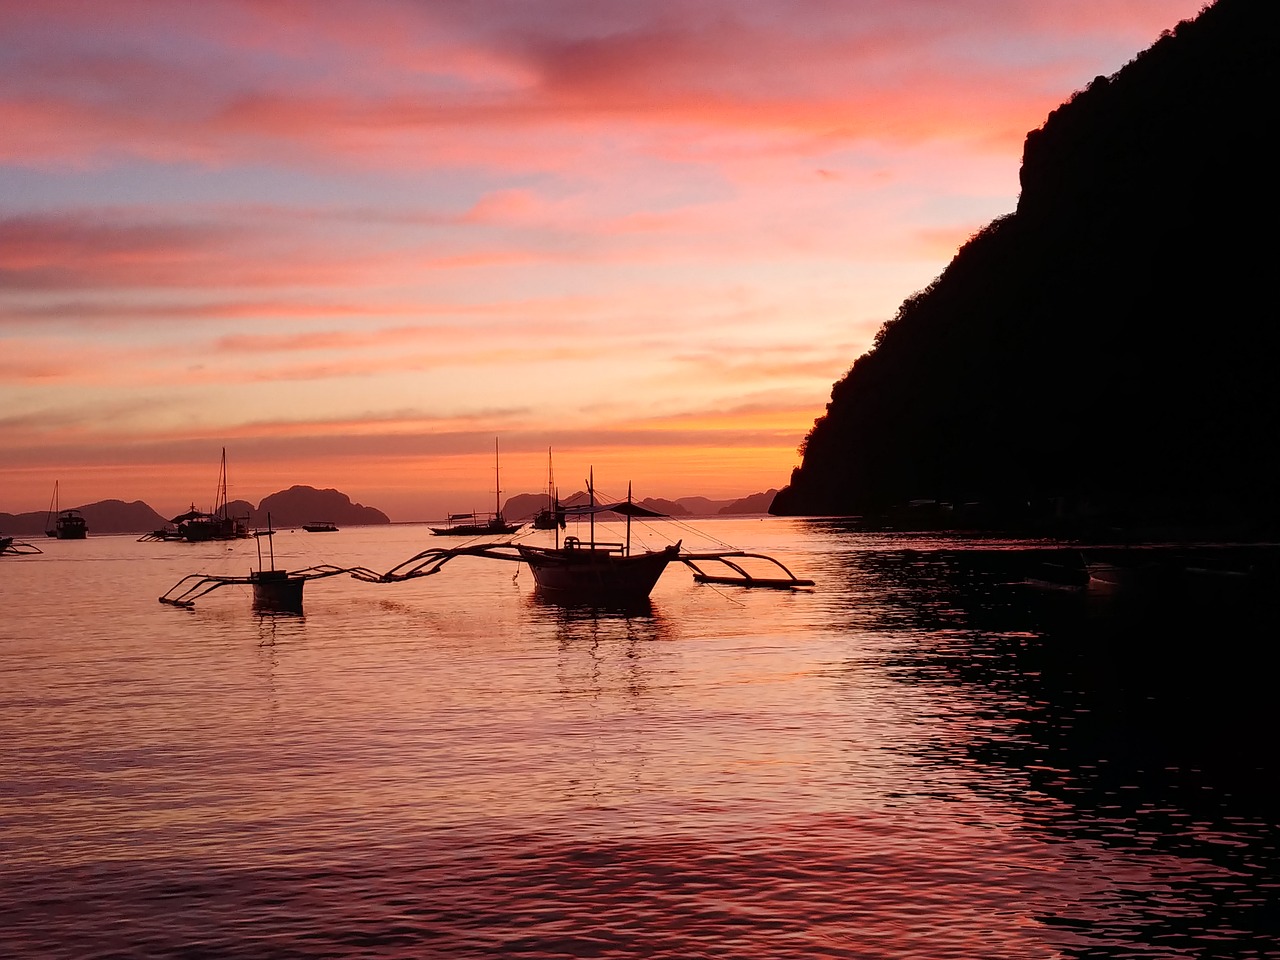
497,484
53,511
591,495
220,498
628,551
551,503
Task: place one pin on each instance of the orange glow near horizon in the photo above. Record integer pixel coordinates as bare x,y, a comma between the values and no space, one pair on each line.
353,243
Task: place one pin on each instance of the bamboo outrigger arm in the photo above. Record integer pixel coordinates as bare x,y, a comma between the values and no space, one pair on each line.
430,561
192,587
741,577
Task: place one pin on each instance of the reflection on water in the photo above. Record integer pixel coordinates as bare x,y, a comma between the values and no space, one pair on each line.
929,756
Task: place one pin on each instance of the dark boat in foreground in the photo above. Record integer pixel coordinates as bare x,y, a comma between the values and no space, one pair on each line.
599,572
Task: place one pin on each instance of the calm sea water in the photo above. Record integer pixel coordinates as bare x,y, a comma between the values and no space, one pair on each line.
921,758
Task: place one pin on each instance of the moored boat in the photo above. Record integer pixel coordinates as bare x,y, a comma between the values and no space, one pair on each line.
598,572
480,524
320,526
196,526
550,516
64,524
9,547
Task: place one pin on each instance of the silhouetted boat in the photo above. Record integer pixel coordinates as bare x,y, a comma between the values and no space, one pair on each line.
550,516
64,524
598,572
320,526
274,591
195,526
480,524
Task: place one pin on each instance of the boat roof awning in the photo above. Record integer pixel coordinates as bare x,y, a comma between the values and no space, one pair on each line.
189,515
627,508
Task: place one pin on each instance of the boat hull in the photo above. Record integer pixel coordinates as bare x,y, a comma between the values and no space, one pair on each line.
583,575
476,530
274,591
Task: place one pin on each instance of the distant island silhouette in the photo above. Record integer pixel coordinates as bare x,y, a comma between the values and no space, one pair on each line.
1102,356
288,508
302,504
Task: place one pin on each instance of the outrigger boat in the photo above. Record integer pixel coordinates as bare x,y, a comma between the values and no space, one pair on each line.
274,591
572,573
603,573
10,547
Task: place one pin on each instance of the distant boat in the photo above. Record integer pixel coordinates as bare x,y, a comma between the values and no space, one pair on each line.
480,524
320,526
64,524
195,526
550,516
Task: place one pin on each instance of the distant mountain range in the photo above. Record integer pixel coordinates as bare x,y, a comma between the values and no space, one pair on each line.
302,504
288,508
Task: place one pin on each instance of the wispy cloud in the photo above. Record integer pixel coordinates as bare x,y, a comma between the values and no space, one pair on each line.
359,238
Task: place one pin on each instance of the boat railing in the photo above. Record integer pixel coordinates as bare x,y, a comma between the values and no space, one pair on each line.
592,546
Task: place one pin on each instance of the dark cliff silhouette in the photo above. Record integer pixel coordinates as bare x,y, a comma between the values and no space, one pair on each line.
1108,349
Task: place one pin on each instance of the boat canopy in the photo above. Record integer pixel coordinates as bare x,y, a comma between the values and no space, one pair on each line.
625,507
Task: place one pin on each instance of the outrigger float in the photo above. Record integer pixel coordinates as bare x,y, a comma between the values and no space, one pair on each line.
573,572
10,547
274,591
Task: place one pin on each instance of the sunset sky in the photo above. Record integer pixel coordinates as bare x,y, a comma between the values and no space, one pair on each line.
355,241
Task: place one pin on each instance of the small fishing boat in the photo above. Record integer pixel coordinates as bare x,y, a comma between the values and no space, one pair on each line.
594,571
9,547
274,591
600,573
480,524
64,524
320,526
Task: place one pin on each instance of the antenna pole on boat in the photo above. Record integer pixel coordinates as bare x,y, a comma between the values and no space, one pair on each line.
591,496
628,553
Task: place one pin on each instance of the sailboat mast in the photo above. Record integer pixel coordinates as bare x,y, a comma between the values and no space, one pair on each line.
591,496
220,497
628,553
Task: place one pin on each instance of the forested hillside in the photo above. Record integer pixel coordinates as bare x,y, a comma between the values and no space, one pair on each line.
1108,349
